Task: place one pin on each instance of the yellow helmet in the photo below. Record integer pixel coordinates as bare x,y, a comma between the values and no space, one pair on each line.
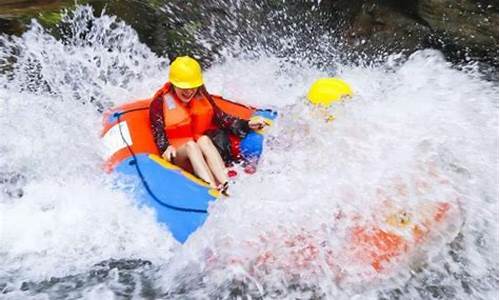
325,91
185,73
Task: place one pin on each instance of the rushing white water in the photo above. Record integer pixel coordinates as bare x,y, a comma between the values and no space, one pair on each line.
417,132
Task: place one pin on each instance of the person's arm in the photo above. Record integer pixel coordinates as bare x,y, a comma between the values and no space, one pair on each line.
235,125
158,124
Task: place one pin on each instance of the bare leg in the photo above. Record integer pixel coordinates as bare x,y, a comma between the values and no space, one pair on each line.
181,158
192,151
213,158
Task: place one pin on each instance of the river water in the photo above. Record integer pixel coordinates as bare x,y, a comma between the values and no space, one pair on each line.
417,132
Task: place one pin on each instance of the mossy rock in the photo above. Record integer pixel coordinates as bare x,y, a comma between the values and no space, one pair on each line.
16,15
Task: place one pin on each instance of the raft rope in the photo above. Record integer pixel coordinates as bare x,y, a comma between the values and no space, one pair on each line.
134,161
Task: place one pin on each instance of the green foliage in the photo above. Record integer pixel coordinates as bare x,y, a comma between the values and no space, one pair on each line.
49,19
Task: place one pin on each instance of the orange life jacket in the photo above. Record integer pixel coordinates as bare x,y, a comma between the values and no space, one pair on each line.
202,116
185,122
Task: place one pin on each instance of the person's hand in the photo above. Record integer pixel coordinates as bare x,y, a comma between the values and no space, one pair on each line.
169,154
257,123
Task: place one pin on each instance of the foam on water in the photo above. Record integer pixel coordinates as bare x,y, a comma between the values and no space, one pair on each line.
416,132
418,124
70,215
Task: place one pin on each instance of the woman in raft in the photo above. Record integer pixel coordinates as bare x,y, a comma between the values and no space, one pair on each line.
188,127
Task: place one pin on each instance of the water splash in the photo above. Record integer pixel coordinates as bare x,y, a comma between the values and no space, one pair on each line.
66,214
417,131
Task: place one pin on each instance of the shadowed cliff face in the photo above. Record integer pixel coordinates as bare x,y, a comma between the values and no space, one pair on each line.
470,26
465,30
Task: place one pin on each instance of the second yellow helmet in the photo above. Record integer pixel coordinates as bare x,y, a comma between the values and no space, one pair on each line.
325,91
185,73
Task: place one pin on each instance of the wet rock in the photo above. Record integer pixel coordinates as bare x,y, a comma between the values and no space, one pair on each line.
124,278
167,27
16,15
9,26
464,30
163,29
381,27
467,26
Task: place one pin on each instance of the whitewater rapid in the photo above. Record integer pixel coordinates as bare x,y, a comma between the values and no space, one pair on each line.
407,116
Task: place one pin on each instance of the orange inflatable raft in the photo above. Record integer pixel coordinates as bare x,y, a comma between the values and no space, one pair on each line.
356,249
179,199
